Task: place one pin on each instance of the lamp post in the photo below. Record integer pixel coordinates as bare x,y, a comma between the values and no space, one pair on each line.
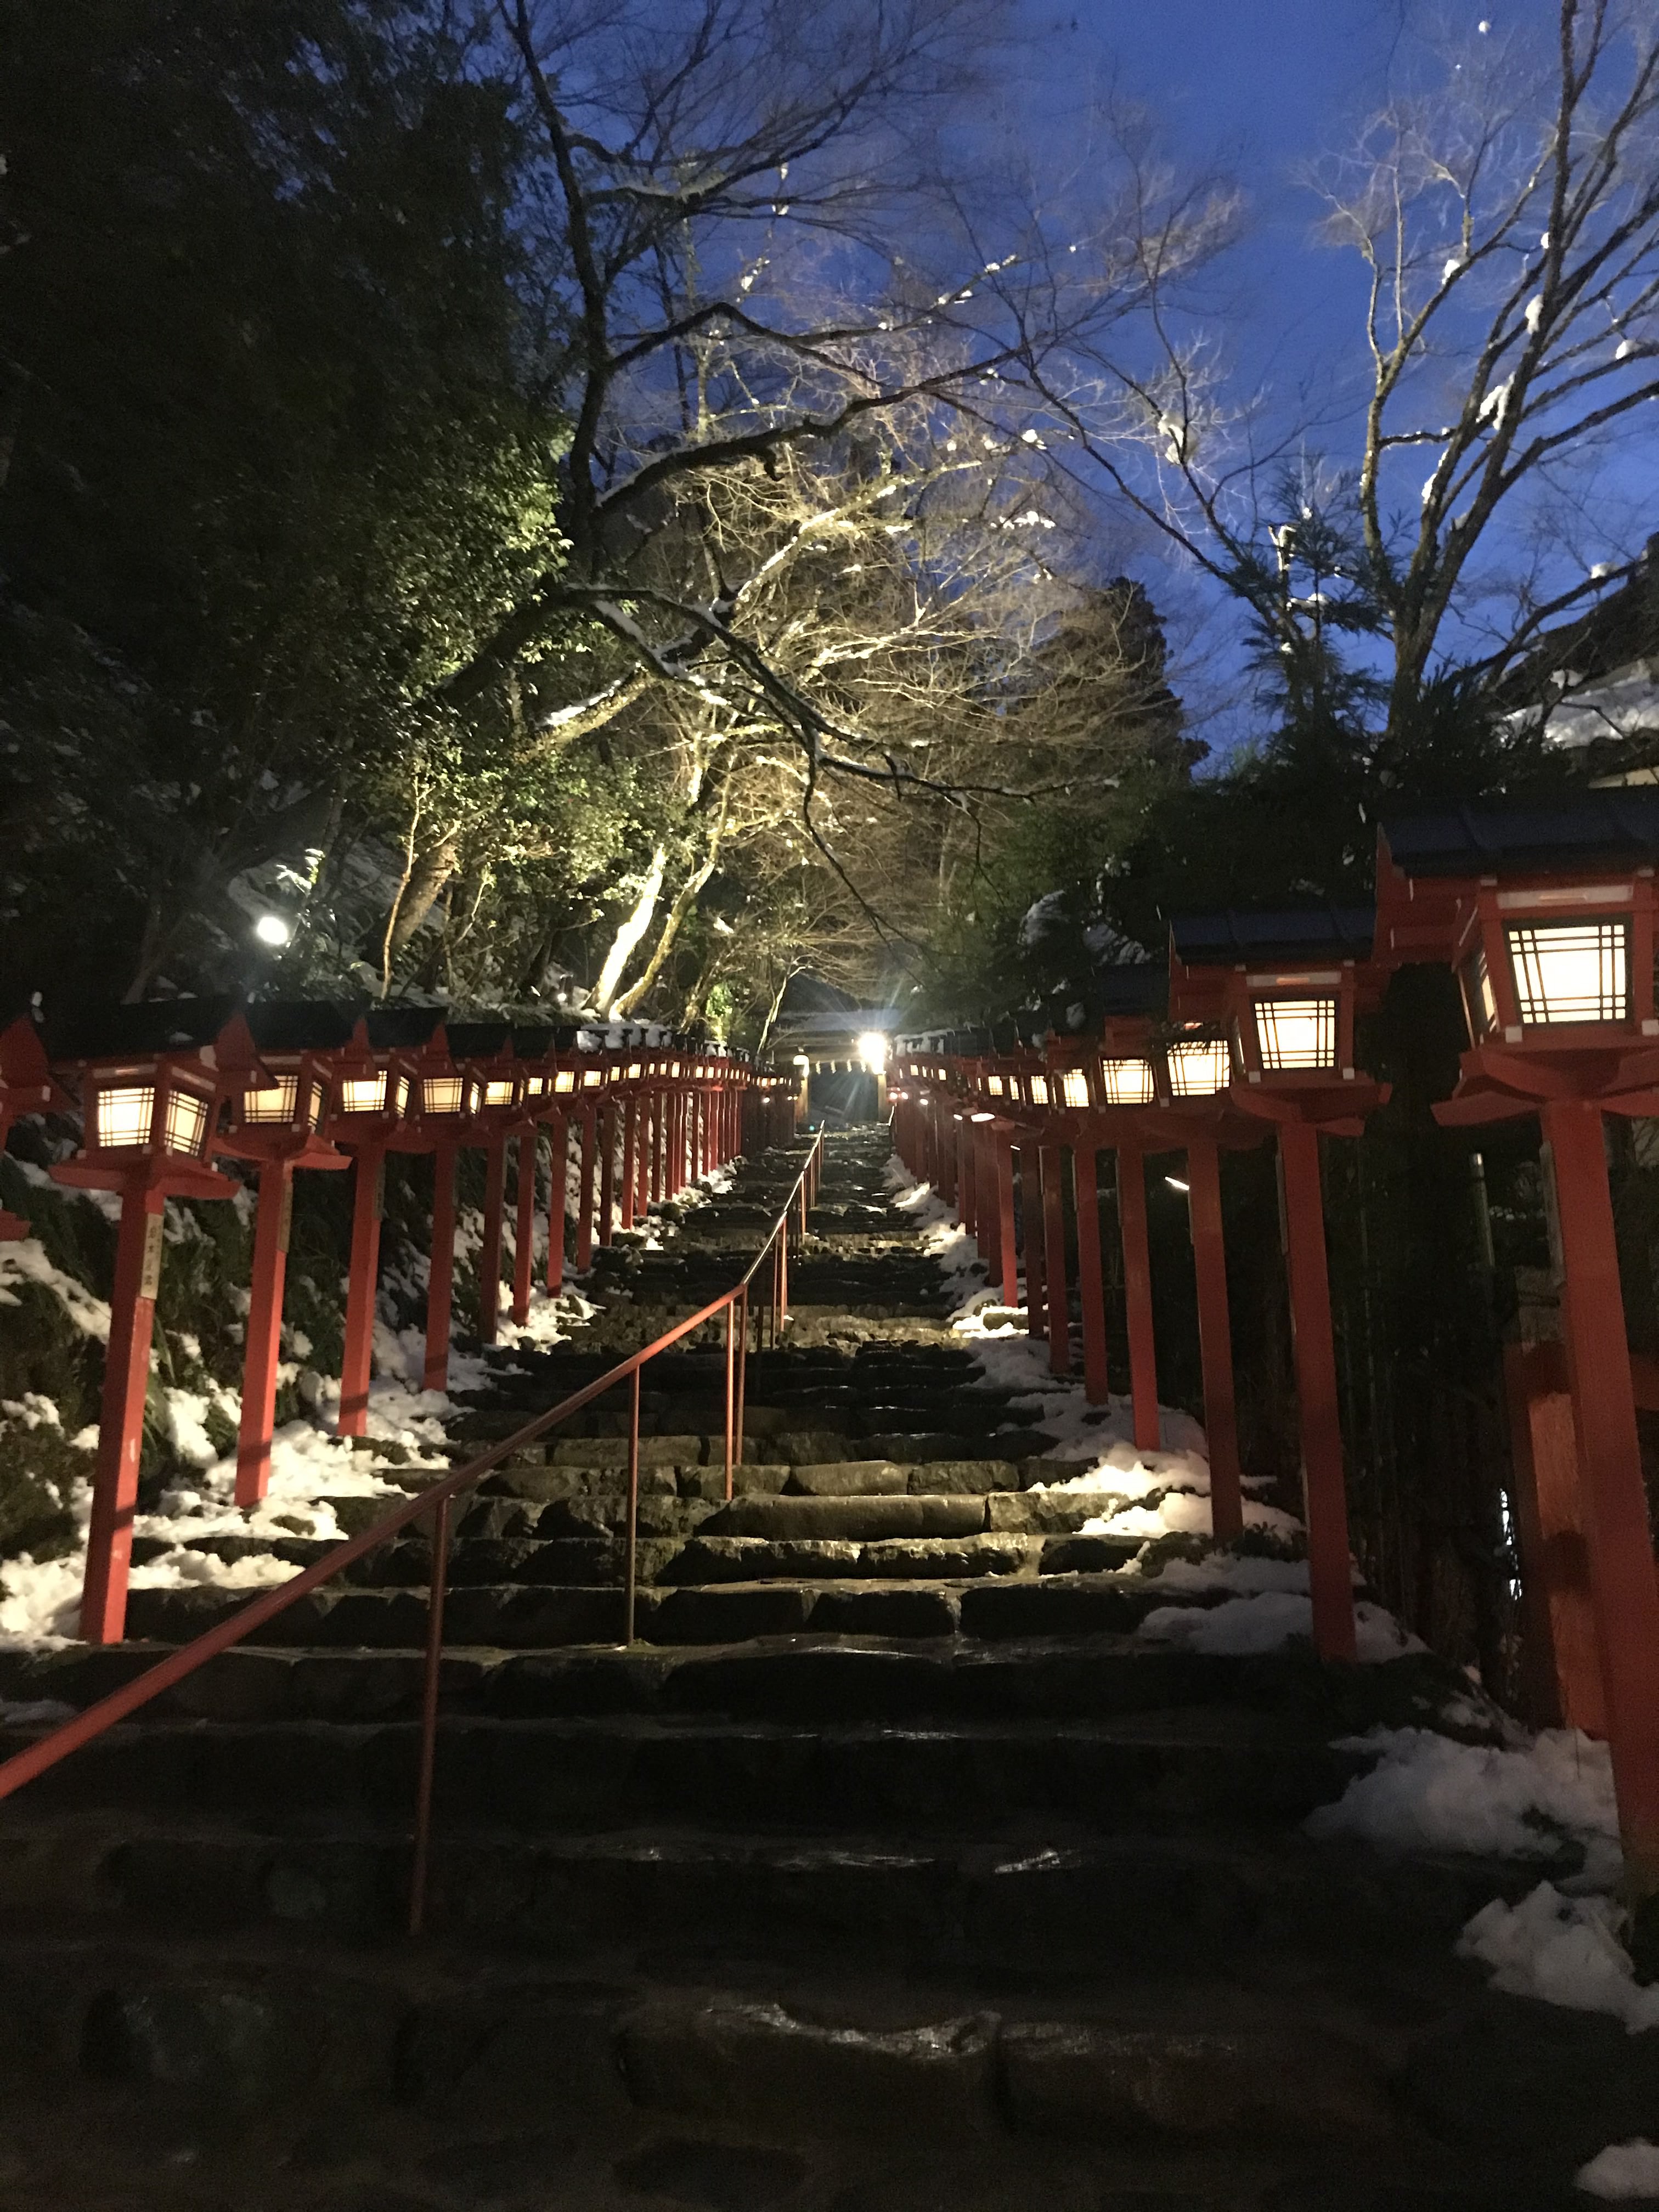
282,1124
25,1087
483,1052
375,1079
1287,988
1547,918
151,1086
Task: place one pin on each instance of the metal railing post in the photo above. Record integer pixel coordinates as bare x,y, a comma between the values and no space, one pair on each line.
743,1371
633,1508
437,1586
731,1386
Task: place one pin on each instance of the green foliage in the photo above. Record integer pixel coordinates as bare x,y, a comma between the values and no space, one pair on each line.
278,461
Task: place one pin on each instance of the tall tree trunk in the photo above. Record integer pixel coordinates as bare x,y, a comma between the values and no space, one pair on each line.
632,930
670,929
426,871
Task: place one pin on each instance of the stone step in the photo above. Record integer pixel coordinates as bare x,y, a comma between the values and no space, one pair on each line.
435,2077
1108,1906
798,1680
1195,1765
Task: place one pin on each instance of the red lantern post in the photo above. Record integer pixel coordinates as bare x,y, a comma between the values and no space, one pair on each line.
282,1125
1287,987
374,1082
25,1087
1547,918
151,1088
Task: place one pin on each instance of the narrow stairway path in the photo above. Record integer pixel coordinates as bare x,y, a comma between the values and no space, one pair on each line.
889,1869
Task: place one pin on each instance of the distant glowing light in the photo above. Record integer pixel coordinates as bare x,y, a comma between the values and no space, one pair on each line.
272,929
872,1050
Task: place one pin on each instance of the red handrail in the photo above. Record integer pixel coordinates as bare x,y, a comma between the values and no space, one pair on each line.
62,1742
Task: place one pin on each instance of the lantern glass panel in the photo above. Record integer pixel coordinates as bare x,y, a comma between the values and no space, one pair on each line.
274,1102
314,1106
1075,1087
1198,1066
121,1117
635,1069
499,1091
995,1086
1039,1090
565,1082
363,1094
535,1086
591,1078
673,1067
440,1094
1571,971
1127,1082
186,1127
1295,1033
1479,1002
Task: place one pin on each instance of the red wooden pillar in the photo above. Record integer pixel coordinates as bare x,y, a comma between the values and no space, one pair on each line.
368,1204
1054,1261
1623,1584
650,1180
121,1415
1562,1652
1330,1577
1008,1252
1090,1279
1215,1340
1030,1215
264,1330
584,1199
558,1199
607,1130
1138,1294
524,1235
490,1253
986,1227
967,1195
630,1141
441,1275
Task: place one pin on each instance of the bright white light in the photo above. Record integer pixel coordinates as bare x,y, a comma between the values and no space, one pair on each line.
440,1094
1573,971
1127,1082
800,1061
121,1118
1295,1033
271,929
872,1050
277,1103
187,1123
1198,1068
1075,1087
981,1117
1039,1090
1176,1184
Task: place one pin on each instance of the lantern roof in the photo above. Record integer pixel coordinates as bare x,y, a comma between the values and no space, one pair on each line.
401,1029
478,1039
151,1027
1621,826
300,1024
1235,938
1137,986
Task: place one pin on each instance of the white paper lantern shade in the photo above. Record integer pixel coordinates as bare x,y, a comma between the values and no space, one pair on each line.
1294,1034
1571,971
122,1114
1199,1067
1075,1087
1127,1082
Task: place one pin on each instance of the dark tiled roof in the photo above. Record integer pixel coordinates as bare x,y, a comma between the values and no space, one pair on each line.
1477,840
1211,940
1140,986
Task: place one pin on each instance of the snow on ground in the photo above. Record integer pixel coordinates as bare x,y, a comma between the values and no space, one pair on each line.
1622,2171
1243,1627
1565,1950
1519,1800
39,1599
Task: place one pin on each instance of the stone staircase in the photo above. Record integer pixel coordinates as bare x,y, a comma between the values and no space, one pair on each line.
886,1871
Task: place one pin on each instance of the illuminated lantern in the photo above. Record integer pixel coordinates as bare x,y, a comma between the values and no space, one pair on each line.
282,1125
1285,989
377,1104
25,1087
1546,915
152,1079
